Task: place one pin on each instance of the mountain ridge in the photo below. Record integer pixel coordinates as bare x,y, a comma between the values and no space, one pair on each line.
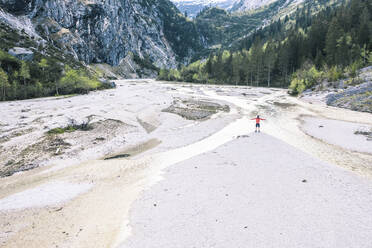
193,7
103,31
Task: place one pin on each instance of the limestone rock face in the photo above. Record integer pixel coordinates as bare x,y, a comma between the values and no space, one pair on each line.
102,31
22,53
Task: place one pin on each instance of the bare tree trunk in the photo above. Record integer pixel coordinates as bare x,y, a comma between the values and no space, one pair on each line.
285,79
268,77
57,93
251,78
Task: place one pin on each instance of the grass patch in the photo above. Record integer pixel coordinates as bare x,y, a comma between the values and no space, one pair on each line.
59,130
72,127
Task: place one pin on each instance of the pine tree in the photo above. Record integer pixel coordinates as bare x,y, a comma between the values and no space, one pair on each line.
54,72
284,63
269,61
218,68
364,32
364,54
24,72
342,55
209,64
332,38
316,37
43,65
4,84
319,59
237,73
228,68
257,59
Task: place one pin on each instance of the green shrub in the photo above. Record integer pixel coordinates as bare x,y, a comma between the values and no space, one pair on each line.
304,79
174,75
297,86
77,81
352,69
334,73
163,74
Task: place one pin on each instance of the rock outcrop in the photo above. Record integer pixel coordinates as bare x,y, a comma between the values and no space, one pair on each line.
106,31
355,93
21,53
246,5
358,98
350,93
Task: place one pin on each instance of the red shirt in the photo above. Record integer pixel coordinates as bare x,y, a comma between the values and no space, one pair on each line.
258,120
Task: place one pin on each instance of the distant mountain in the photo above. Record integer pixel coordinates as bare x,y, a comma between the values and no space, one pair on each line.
244,5
193,7
317,46
98,31
221,28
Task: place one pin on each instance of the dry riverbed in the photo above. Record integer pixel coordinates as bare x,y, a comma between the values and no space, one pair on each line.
72,167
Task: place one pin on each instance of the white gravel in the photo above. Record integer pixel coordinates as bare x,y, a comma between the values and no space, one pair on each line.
340,133
47,194
208,183
250,193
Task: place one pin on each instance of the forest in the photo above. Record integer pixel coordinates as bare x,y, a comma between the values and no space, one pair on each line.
296,51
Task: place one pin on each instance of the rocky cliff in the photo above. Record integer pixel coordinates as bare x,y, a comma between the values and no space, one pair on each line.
193,7
106,31
246,5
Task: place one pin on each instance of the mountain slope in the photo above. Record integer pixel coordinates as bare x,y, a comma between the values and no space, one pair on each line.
106,31
220,28
245,5
193,7
301,51
46,46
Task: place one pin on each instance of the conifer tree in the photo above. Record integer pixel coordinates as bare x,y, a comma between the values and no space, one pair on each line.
333,35
4,84
24,72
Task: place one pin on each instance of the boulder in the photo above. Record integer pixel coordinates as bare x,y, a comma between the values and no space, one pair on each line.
111,84
21,53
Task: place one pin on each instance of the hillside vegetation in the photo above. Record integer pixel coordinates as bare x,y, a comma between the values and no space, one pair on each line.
219,27
298,51
180,31
50,72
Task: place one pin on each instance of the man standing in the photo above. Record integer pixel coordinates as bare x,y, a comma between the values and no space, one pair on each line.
258,119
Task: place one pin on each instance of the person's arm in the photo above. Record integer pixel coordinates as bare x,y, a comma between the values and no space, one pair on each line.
262,119
254,119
